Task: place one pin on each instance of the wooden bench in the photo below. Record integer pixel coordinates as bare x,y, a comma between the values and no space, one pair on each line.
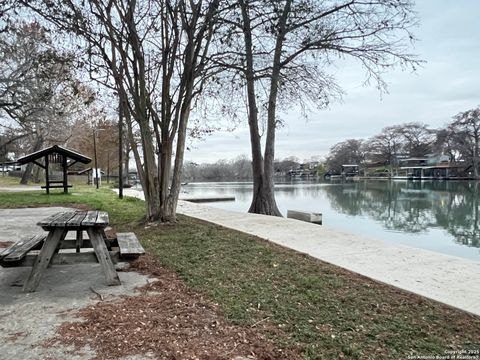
55,186
19,250
129,245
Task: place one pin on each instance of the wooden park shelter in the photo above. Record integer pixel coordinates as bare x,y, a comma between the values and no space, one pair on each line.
55,155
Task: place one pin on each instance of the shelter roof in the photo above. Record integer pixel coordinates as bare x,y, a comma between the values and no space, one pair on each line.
54,149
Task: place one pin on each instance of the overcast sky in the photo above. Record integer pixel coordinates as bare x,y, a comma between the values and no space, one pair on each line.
449,82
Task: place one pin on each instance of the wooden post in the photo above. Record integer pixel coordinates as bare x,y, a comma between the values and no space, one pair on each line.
108,168
43,259
47,179
79,241
65,176
95,156
103,256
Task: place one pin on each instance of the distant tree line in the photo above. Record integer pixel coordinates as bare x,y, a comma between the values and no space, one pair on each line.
222,170
459,139
240,169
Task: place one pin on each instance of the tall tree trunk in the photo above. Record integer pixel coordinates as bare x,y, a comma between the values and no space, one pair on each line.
36,175
259,201
166,170
150,181
172,200
263,201
28,170
476,139
126,164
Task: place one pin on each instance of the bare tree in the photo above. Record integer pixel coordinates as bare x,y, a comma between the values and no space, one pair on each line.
154,55
417,138
466,129
384,146
282,51
39,94
350,151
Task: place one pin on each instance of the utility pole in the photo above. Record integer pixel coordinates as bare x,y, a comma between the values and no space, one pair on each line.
95,156
108,167
120,147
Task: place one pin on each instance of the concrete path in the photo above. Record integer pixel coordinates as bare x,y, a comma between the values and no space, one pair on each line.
19,188
451,280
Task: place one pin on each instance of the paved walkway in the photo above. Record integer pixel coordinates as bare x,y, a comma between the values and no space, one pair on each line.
19,188
451,280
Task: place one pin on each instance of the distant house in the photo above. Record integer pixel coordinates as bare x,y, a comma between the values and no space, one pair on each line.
302,171
431,166
350,170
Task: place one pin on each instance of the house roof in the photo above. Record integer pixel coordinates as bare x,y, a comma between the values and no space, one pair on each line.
84,171
54,149
438,166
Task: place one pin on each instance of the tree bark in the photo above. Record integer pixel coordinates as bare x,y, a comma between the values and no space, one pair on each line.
27,174
476,139
263,201
36,175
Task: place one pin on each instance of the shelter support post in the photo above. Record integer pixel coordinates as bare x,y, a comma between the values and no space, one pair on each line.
65,177
47,179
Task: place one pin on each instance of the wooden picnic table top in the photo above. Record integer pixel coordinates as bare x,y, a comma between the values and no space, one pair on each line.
76,219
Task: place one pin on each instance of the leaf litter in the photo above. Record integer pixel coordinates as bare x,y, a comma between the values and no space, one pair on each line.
167,320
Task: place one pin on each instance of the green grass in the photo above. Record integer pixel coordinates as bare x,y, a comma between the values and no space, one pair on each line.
122,212
8,180
296,300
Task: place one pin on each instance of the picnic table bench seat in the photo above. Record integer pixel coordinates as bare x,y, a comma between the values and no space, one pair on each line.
55,186
17,251
129,245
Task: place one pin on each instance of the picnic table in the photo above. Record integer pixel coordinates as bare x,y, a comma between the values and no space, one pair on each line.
52,247
57,226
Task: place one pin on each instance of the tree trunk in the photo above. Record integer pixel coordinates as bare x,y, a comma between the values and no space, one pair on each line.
150,181
263,201
180,151
166,213
476,139
126,168
28,170
151,208
36,176
27,174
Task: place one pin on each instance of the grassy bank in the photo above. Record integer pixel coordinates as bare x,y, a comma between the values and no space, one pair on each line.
299,301
8,180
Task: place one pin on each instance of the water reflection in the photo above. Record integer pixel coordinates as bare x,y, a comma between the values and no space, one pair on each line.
414,206
439,216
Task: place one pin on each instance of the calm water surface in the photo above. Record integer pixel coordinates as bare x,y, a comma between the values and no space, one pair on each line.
437,216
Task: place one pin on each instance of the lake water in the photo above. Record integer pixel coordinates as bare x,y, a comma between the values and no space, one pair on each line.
441,216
